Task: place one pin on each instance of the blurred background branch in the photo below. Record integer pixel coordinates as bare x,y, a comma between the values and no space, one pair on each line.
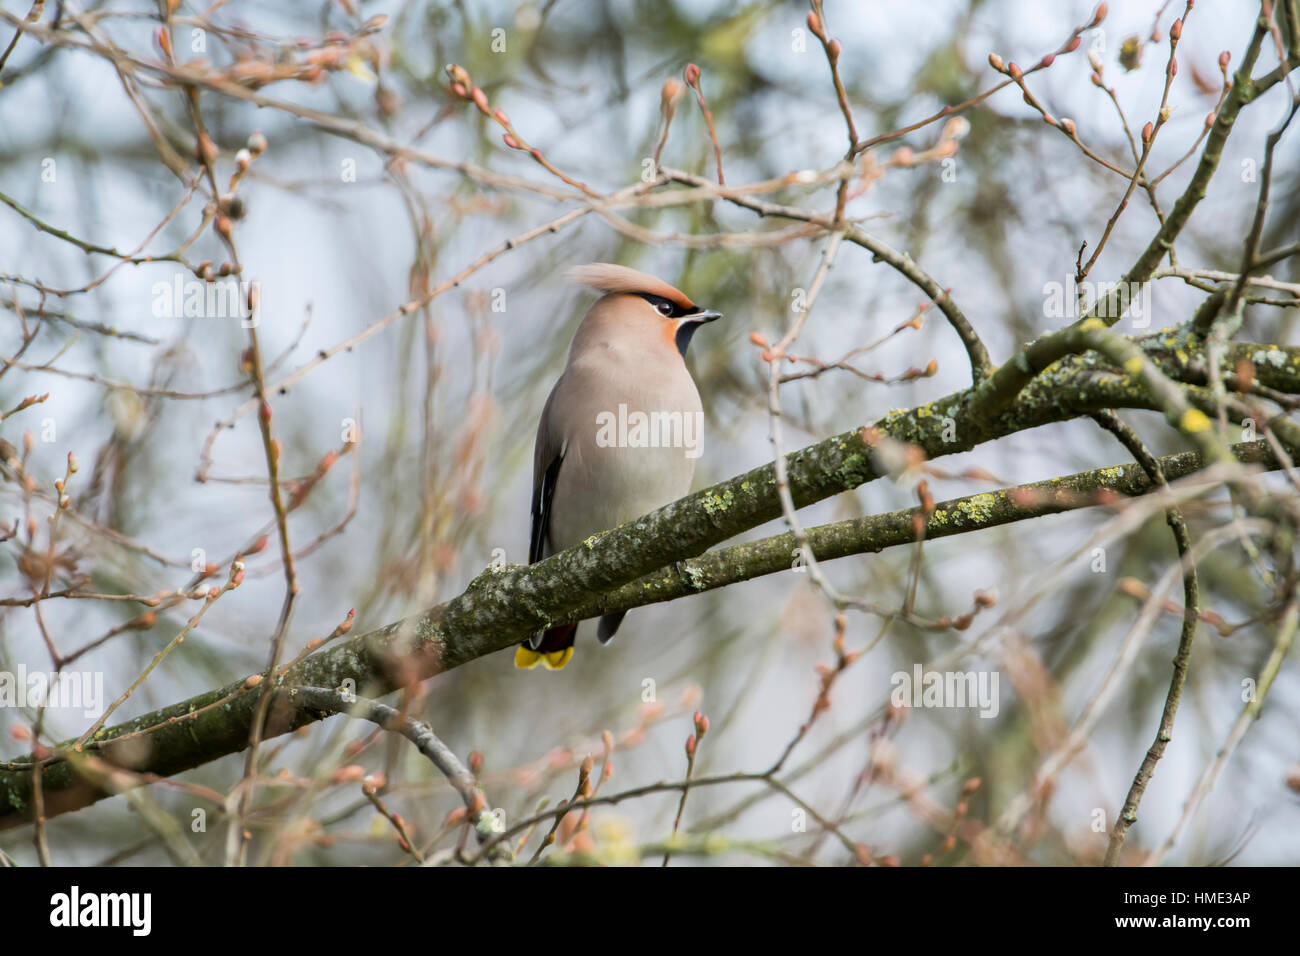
243,243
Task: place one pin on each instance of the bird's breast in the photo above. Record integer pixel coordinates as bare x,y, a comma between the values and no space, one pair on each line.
634,432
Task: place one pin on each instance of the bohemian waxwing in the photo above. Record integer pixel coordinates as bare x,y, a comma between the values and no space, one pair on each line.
620,431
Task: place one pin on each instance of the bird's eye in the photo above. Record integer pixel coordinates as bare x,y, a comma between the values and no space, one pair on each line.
665,308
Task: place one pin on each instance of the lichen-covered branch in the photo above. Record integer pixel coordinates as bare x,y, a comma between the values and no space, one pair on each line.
503,605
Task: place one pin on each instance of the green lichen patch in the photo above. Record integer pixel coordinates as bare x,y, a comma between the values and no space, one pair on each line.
715,504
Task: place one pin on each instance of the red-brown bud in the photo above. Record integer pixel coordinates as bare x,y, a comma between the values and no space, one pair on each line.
208,151
456,816
346,624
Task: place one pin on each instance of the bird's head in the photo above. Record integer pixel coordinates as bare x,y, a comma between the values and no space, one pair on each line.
640,305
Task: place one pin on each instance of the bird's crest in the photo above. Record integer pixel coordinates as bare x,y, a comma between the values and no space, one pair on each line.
607,277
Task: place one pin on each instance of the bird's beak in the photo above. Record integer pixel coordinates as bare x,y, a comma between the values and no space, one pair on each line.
687,325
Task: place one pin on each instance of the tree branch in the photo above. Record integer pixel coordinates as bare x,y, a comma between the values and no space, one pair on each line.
329,702
501,606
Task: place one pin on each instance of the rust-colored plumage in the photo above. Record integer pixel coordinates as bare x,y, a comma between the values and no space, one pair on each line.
610,278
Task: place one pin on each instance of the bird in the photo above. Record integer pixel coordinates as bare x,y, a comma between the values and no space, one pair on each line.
620,432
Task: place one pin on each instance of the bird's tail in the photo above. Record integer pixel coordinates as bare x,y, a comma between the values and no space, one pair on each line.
608,625
552,651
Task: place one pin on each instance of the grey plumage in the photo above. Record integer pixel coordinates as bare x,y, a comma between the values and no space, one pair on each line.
590,472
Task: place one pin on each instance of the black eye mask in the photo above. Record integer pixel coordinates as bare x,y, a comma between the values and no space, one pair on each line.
671,310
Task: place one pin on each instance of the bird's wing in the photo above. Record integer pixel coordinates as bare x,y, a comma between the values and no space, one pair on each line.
548,453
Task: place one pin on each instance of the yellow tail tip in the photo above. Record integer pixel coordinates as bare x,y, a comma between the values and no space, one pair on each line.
526,658
556,660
